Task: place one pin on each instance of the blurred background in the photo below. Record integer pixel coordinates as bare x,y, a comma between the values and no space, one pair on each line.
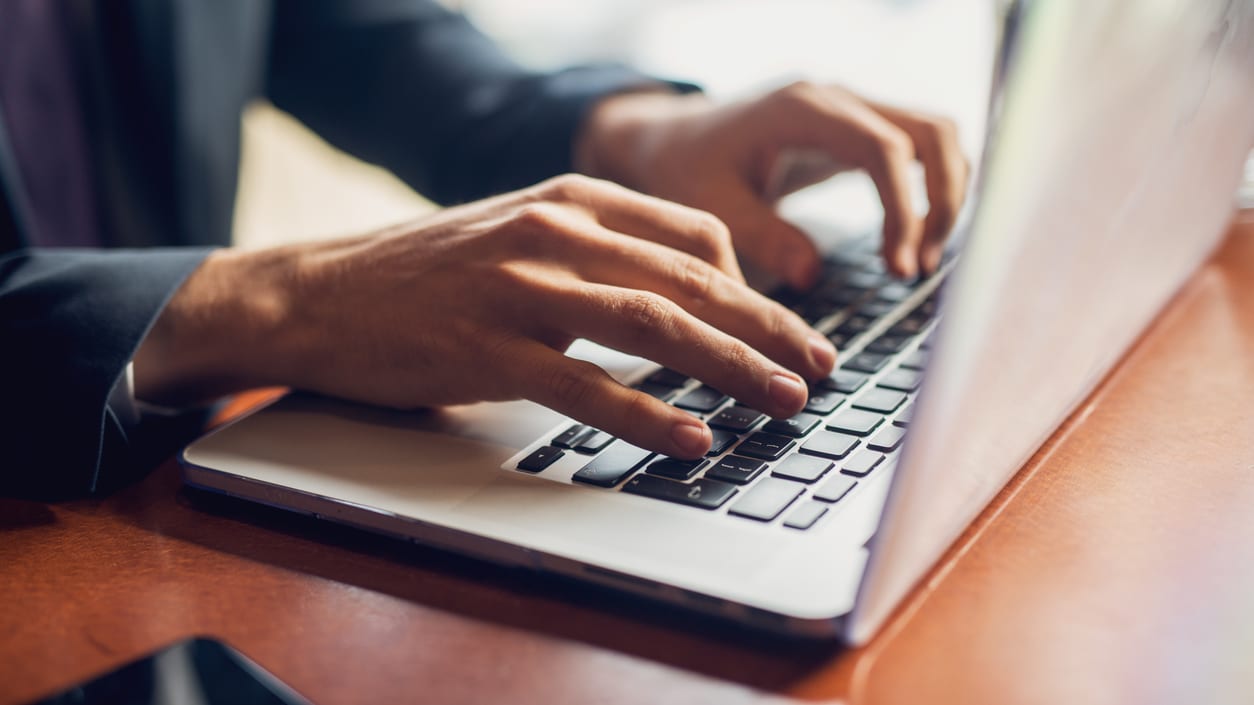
931,54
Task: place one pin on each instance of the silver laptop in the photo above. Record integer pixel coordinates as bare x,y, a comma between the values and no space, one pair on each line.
1119,139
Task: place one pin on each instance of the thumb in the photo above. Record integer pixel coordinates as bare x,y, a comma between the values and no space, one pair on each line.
774,244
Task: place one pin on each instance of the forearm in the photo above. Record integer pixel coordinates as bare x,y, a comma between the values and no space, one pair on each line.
418,90
70,322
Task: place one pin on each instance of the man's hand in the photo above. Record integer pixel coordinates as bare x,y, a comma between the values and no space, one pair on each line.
726,159
479,301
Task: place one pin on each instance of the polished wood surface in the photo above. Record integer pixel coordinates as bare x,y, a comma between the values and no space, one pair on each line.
1117,567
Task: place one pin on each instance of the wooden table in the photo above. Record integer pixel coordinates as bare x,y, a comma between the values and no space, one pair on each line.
1117,567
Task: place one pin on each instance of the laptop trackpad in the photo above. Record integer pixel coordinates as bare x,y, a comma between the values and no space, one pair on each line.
372,456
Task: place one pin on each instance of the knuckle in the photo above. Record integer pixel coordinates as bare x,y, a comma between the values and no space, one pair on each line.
892,143
802,90
635,412
738,357
780,321
695,278
569,386
569,187
945,129
645,312
538,217
712,236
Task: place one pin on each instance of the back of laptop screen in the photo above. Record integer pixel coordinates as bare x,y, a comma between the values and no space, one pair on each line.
1123,131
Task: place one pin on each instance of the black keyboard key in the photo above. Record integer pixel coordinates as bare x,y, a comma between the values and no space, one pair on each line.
829,444
844,381
676,469
706,494
930,306
885,401
876,309
657,391
824,403
839,295
854,325
901,379
802,468
909,326
803,517
887,439
765,446
861,463
840,340
866,362
540,459
703,399
875,265
918,319
765,500
571,437
736,418
904,418
915,360
609,468
867,279
722,441
814,311
834,488
666,377
735,469
788,296
593,443
889,343
894,292
796,427
859,423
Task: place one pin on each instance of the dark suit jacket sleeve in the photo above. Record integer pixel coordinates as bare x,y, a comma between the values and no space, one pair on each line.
415,88
70,322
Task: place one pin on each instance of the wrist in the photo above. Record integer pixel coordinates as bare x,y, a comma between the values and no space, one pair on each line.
221,331
622,132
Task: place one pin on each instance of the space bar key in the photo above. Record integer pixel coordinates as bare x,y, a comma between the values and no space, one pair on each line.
706,494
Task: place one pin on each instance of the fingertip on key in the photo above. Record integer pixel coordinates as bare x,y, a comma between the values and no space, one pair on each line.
822,353
692,438
930,258
788,392
904,264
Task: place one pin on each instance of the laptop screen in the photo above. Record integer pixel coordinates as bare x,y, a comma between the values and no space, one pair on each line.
1111,178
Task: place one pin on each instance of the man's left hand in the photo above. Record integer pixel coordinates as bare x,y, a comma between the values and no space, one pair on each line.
725,159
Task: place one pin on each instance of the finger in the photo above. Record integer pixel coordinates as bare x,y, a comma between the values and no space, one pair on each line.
707,293
771,242
588,394
849,130
651,326
619,208
945,168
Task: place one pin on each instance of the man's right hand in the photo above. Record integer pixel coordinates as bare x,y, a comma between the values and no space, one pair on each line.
478,303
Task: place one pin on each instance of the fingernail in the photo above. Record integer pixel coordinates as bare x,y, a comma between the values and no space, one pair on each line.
691,438
787,391
822,352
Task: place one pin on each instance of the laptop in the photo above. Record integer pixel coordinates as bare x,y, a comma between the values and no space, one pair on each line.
1119,136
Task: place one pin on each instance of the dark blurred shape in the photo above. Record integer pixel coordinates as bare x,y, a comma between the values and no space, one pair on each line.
192,672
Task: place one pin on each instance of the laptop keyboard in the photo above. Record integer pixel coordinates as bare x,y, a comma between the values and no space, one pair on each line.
788,471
